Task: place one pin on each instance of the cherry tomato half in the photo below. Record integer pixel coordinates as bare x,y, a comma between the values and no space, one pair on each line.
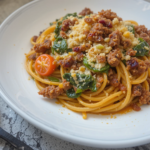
45,65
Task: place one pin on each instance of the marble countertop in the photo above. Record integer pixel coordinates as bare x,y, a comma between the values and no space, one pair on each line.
20,128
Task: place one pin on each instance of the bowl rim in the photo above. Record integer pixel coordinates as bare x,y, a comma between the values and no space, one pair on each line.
59,134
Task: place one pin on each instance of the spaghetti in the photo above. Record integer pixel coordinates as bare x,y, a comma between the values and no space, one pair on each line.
92,63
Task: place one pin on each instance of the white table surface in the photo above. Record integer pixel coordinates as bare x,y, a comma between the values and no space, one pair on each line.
20,128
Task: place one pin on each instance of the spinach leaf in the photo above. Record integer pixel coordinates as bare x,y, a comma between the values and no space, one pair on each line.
72,94
69,78
59,46
103,69
83,82
131,28
140,48
53,79
86,82
79,91
92,86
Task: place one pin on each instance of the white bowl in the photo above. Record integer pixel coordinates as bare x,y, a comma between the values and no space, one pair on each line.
21,94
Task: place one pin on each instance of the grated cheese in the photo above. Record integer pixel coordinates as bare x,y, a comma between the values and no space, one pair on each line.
115,21
127,57
76,36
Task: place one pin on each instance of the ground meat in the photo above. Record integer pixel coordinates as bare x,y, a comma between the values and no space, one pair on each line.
41,48
32,56
145,37
135,107
76,66
99,80
66,85
105,22
143,32
99,29
136,68
131,52
35,38
110,72
79,57
81,48
63,34
147,62
114,57
122,88
86,32
101,58
145,97
51,92
89,20
98,32
67,62
142,67
149,33
141,29
113,79
93,38
108,14
86,11
66,24
132,63
126,43
115,38
137,90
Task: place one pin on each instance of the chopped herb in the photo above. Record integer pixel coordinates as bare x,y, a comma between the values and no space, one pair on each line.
68,15
57,29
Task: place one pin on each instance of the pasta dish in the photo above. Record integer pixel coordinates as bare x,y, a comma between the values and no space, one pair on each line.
92,62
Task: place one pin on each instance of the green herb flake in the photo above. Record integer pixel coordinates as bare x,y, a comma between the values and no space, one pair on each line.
53,79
